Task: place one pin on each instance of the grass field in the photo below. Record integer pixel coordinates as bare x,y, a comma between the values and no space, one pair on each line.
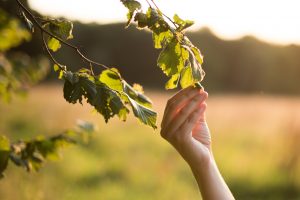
256,142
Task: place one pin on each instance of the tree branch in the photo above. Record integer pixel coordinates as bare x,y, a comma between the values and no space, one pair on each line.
84,57
164,14
50,54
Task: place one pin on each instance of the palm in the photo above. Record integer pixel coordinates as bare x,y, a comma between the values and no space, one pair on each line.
201,133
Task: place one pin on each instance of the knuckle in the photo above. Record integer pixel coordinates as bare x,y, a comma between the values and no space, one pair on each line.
193,116
195,99
184,111
204,105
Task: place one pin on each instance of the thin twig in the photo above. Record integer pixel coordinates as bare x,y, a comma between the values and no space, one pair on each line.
59,39
149,4
49,53
164,14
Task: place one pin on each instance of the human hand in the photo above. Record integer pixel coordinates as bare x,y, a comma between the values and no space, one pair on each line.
184,125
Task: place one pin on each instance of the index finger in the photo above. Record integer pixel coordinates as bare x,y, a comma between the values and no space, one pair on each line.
177,101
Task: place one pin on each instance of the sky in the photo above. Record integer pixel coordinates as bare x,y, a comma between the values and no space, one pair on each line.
275,21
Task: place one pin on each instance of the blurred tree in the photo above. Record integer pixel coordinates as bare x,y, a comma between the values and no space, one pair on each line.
18,71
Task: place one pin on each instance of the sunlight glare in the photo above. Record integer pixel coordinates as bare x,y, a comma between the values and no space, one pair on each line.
273,21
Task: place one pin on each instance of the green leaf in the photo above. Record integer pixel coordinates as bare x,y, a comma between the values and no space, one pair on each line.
61,28
154,18
172,59
144,114
137,95
54,44
104,99
197,55
160,39
4,154
141,19
12,32
197,71
169,59
178,20
73,92
172,82
183,24
108,103
56,67
108,94
112,79
132,6
187,78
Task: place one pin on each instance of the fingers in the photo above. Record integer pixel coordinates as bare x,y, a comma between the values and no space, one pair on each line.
183,131
177,102
188,125
193,109
202,117
181,116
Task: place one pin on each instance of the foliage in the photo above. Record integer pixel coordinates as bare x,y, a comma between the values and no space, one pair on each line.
179,58
108,93
32,154
17,70
12,33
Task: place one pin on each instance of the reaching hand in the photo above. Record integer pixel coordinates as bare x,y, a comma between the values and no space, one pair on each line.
184,125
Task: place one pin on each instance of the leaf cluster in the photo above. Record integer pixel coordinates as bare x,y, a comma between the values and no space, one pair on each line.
60,28
109,94
179,59
18,72
32,154
12,33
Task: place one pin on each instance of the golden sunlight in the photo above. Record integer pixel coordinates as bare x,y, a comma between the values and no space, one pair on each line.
273,21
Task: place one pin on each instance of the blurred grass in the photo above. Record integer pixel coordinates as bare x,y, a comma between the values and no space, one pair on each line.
256,142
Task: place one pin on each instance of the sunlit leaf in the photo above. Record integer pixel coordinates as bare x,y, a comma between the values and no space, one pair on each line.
197,54
61,28
172,60
183,24
187,78
56,67
144,114
172,82
54,44
132,7
12,33
112,79
161,38
137,95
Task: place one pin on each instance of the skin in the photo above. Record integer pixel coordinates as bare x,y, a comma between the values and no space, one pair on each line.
184,127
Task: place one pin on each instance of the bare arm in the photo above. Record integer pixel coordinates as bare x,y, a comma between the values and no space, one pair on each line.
184,126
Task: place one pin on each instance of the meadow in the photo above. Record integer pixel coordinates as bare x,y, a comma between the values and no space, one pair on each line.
256,142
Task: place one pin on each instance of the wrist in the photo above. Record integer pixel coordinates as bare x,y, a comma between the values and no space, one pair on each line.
196,154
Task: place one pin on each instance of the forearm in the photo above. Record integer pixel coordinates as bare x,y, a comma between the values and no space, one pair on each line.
210,182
